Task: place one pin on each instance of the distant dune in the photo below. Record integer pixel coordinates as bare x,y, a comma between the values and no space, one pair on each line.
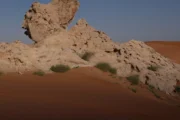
170,49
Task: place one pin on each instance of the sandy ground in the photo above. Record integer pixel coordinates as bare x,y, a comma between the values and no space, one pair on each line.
80,94
168,49
86,94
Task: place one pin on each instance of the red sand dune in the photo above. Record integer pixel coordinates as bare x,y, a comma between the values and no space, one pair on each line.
80,94
167,48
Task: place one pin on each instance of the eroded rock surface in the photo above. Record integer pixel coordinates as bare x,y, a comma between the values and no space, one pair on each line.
46,25
43,20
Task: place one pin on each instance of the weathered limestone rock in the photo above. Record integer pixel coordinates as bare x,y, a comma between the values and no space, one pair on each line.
139,57
15,57
87,37
44,20
81,37
46,25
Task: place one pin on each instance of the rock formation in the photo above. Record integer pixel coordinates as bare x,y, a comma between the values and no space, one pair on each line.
46,25
43,20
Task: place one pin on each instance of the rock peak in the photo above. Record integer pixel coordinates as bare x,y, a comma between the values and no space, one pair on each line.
43,20
82,21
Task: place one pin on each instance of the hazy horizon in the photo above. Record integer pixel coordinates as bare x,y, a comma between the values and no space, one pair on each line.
122,20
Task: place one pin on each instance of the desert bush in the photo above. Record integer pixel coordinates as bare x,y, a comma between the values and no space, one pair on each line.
60,68
156,95
151,87
133,90
177,89
76,67
134,79
105,67
153,68
113,70
39,73
87,55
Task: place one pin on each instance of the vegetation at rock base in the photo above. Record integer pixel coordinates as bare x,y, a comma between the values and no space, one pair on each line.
39,73
134,79
105,67
60,68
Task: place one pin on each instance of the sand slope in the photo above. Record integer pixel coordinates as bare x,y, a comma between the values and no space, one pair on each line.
167,48
80,94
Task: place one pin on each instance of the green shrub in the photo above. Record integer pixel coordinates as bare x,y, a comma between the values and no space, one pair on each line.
153,68
151,87
156,95
134,79
39,73
76,67
105,67
177,89
87,55
133,90
113,70
60,68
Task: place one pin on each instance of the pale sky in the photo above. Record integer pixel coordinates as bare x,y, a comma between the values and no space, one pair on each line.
122,20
